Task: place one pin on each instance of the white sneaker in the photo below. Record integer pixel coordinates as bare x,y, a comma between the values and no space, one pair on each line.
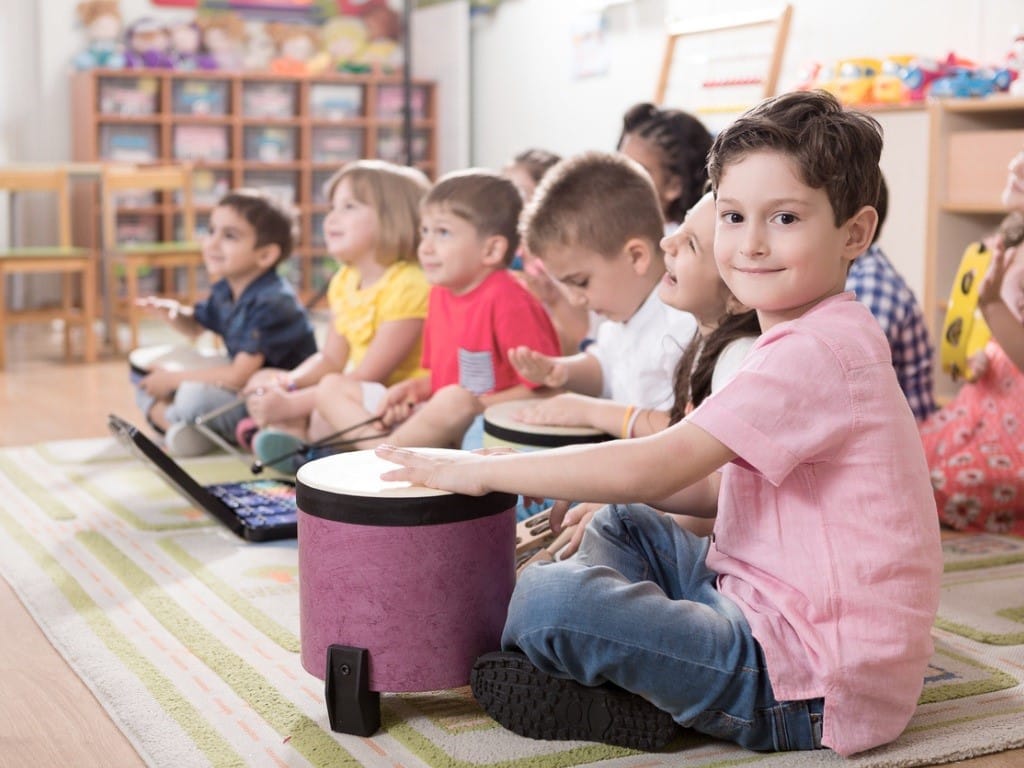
183,439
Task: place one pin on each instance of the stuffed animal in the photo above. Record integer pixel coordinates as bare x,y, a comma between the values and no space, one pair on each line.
296,45
223,38
147,45
102,22
344,39
187,46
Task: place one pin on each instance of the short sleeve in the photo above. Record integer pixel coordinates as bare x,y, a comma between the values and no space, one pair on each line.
773,420
522,321
405,295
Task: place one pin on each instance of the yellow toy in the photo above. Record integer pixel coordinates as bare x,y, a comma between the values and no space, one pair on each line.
964,331
853,80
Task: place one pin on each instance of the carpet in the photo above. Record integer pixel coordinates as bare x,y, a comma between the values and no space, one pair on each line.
189,638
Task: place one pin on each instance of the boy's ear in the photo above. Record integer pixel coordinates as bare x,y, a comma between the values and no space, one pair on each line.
268,255
495,248
860,231
641,255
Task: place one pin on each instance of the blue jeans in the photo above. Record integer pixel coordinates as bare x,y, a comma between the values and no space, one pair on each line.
637,607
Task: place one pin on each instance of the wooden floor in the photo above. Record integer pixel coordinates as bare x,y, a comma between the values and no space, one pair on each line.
47,715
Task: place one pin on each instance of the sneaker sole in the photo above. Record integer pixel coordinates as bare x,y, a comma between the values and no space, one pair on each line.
531,703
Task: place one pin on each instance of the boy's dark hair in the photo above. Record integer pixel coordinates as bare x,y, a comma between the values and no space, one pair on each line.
394,192
692,383
684,142
596,200
273,224
487,200
536,162
882,206
833,148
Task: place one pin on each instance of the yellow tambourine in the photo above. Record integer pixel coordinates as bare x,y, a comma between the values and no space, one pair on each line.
964,331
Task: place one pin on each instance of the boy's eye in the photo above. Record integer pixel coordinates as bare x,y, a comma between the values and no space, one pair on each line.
785,218
732,218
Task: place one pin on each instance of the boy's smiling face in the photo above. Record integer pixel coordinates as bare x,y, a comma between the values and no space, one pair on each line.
453,254
230,251
776,242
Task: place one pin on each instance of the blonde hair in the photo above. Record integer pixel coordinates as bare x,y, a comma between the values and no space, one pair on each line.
394,192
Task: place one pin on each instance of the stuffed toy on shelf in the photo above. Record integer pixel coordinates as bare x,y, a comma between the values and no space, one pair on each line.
102,22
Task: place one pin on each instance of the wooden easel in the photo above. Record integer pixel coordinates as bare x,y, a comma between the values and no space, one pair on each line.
775,23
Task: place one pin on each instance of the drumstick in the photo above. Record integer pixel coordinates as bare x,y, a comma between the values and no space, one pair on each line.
324,442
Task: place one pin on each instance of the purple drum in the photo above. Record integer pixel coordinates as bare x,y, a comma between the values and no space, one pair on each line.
420,579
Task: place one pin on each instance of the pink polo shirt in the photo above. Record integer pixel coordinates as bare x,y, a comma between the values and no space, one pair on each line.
827,535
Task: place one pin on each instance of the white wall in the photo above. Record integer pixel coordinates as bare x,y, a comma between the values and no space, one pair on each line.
523,93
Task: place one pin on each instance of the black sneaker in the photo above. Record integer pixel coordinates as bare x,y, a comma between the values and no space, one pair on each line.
531,703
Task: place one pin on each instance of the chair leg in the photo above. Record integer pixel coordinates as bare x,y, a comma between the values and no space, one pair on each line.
67,305
114,297
131,297
3,318
89,312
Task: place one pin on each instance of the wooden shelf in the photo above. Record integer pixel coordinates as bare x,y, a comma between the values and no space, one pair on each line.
127,115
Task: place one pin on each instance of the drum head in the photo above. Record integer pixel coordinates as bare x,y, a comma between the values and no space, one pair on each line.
500,422
346,487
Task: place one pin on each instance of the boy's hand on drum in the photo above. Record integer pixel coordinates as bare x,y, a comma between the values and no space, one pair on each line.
538,368
449,472
160,383
565,410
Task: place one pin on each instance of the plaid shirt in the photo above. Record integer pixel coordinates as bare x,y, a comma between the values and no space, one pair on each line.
883,290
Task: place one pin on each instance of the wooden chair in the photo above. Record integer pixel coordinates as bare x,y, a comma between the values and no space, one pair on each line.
125,259
62,259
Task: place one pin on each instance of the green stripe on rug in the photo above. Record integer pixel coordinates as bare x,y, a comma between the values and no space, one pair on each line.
38,492
305,735
225,592
982,636
207,739
962,720
996,681
132,519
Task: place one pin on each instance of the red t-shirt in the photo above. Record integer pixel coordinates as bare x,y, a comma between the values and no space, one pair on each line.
466,338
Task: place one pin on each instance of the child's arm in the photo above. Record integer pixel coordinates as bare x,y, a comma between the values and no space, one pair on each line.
162,383
572,410
517,392
579,373
1005,327
401,398
619,471
391,345
179,316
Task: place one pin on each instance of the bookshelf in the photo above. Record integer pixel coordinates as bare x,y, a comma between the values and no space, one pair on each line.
284,134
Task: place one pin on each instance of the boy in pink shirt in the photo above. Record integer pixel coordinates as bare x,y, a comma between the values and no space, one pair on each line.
804,620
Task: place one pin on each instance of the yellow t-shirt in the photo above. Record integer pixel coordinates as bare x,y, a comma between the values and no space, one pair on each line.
357,313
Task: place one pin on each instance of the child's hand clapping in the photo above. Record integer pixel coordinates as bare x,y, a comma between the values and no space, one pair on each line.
169,309
538,368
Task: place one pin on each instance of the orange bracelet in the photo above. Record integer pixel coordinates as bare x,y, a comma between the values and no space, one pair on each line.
624,432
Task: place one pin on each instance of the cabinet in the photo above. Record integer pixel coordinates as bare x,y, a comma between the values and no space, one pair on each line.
971,142
284,134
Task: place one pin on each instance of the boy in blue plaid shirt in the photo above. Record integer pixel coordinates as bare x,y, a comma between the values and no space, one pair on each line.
884,291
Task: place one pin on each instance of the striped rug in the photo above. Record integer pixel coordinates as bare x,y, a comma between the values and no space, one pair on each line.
189,638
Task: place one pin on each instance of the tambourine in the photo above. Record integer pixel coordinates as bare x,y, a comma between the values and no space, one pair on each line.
964,330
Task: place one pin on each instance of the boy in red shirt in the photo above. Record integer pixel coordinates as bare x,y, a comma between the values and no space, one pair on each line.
476,313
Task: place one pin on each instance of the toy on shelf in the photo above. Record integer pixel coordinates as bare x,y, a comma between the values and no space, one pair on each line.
854,80
147,45
102,22
889,87
966,82
296,45
223,38
186,47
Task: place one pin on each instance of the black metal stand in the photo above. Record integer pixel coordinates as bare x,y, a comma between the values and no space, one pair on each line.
351,706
